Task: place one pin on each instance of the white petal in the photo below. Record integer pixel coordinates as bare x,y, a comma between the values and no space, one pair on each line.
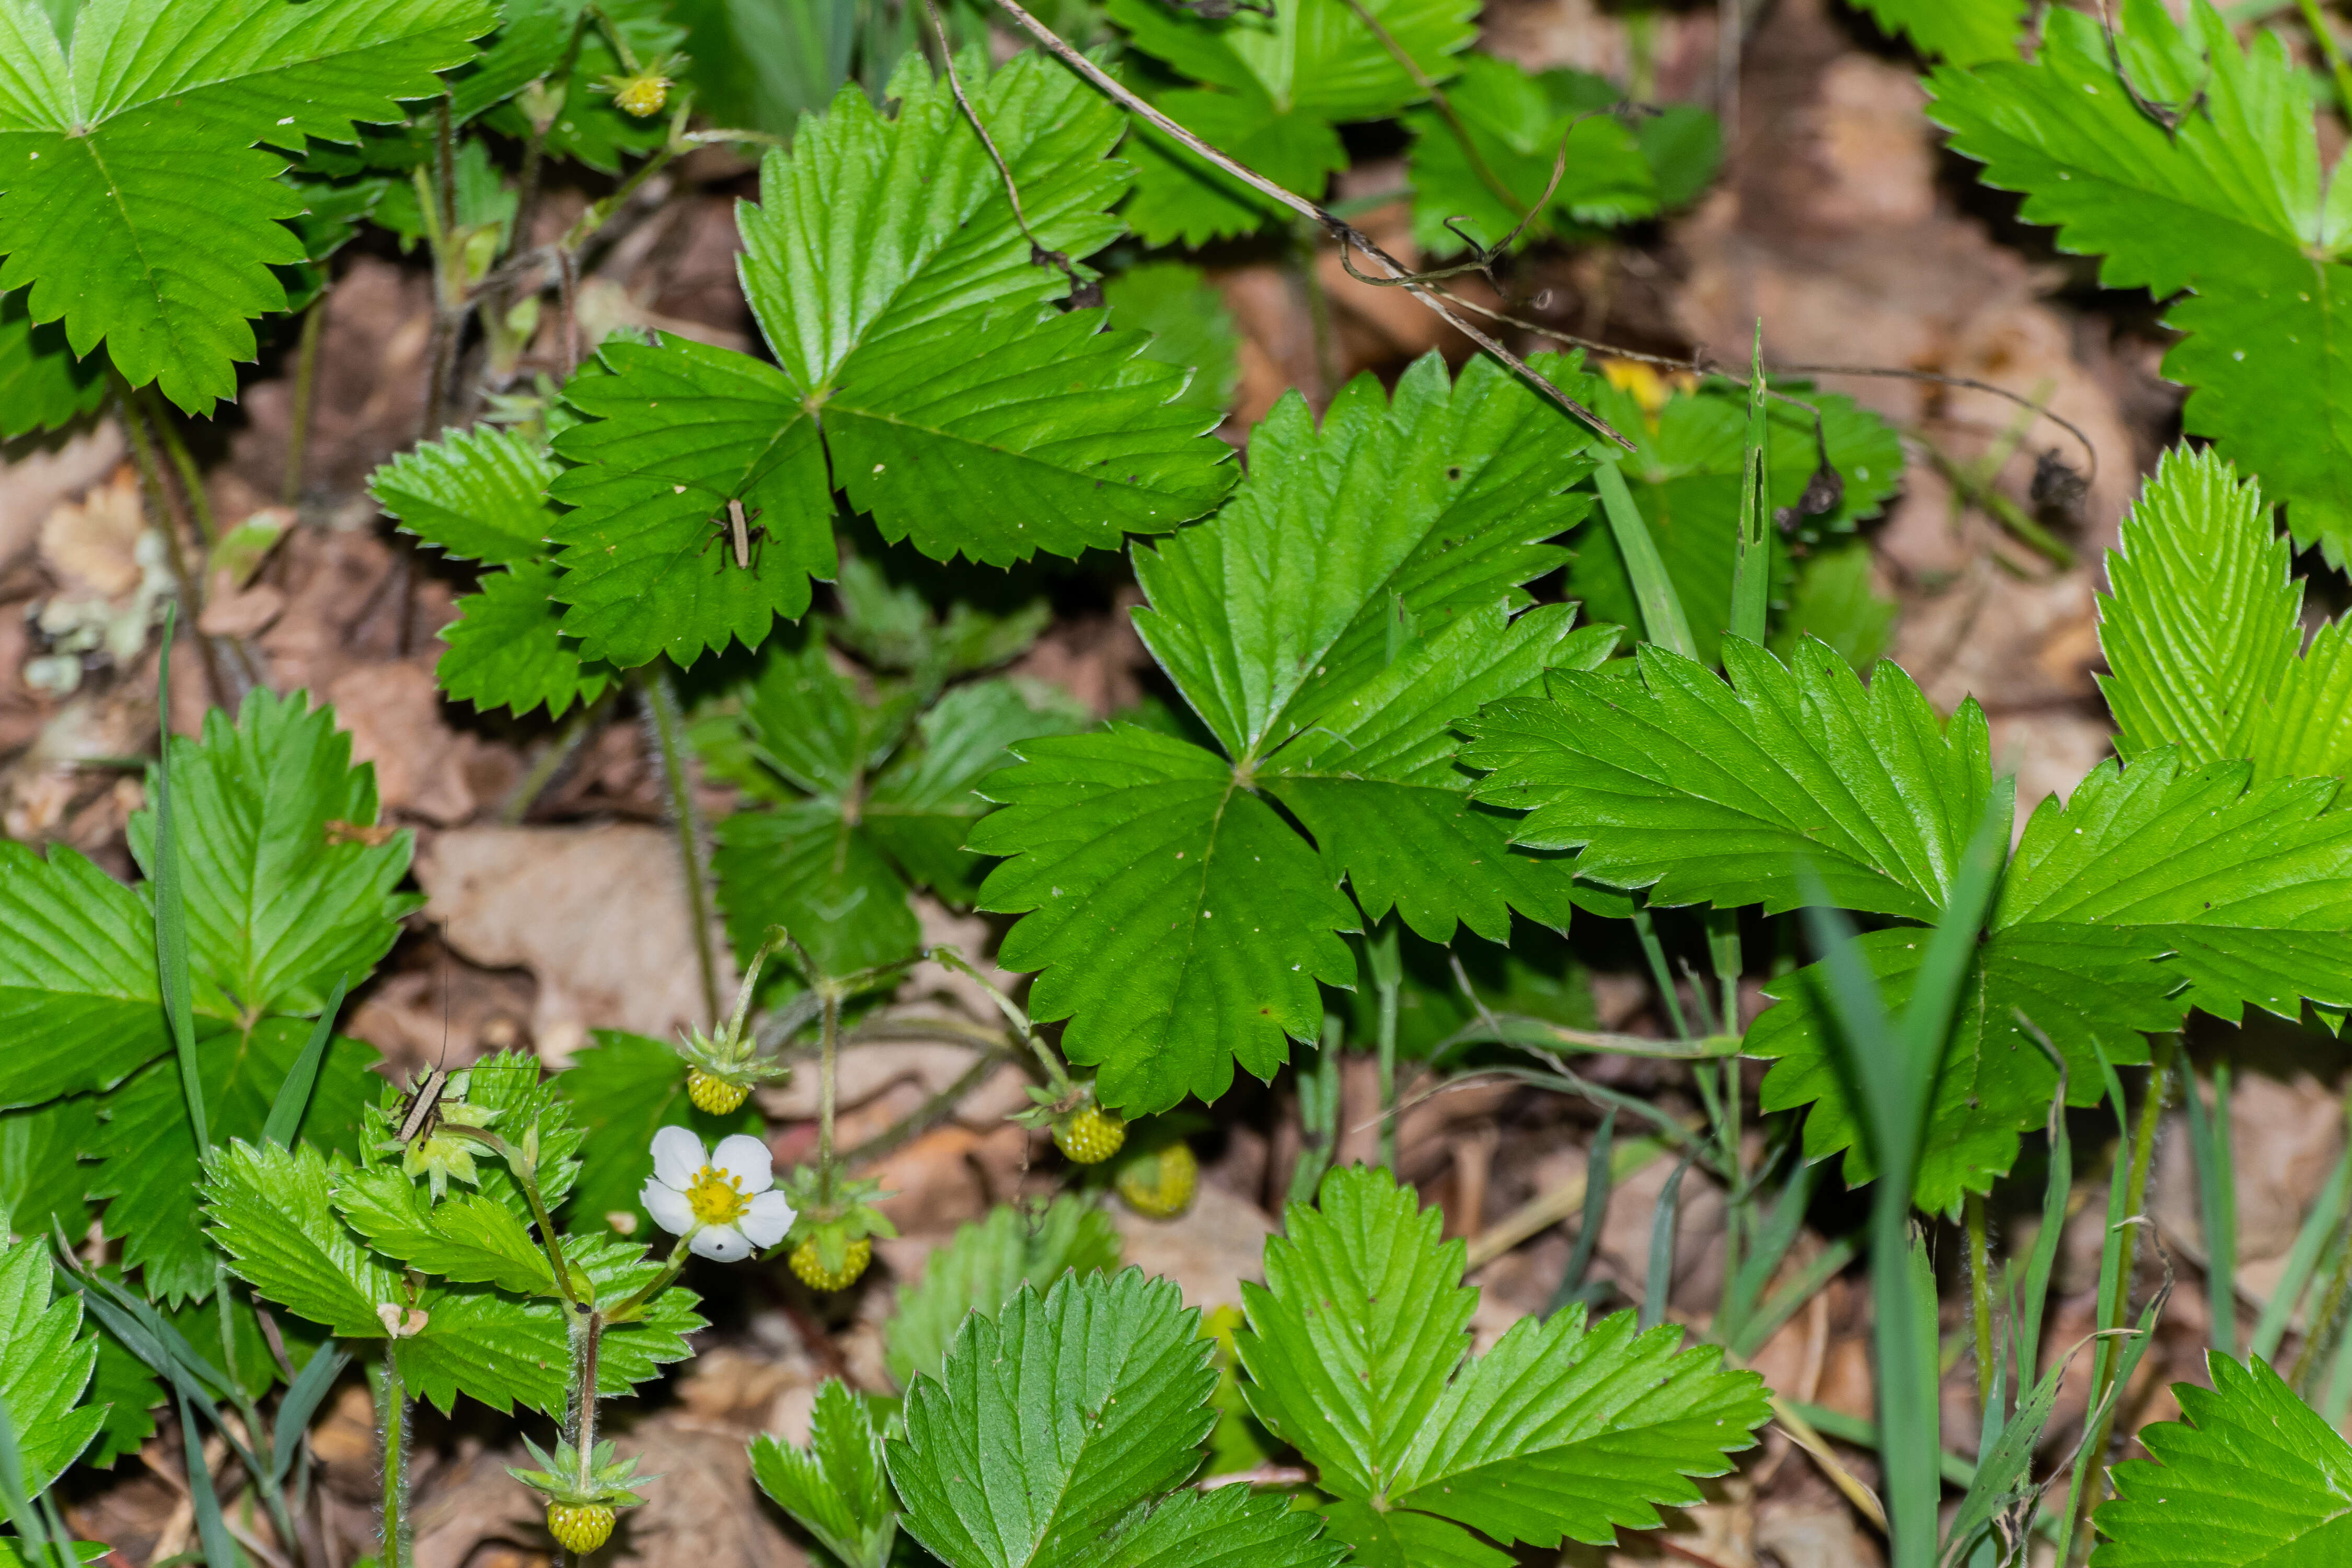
668,1205
678,1156
720,1244
767,1219
747,1160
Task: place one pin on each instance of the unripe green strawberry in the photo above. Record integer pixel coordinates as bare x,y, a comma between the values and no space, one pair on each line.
808,1262
1160,1185
712,1093
1091,1134
643,94
579,1528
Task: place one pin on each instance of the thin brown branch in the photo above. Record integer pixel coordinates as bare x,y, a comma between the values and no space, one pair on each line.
1346,234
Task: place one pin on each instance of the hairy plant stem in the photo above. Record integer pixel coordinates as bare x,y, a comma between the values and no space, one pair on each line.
534,150
1318,309
1980,1301
183,462
826,1085
393,1396
669,736
2143,1148
1646,929
306,384
587,1336
437,202
553,760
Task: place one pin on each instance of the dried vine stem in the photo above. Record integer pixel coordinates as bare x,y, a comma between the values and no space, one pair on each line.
1345,233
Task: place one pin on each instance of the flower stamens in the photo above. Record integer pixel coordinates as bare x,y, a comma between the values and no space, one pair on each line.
716,1198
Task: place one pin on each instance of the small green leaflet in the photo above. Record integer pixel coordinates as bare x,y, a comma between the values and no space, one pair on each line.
622,1089
2249,1475
1055,1429
45,1364
1961,32
1684,477
506,647
41,1180
867,801
1358,1354
1272,89
835,1487
43,385
1359,595
465,1238
2172,210
922,369
480,494
984,1264
1188,324
587,127
78,999
1833,600
133,193
2203,632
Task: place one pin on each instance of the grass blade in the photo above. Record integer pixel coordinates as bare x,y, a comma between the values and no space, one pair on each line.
2026,1345
2216,1196
294,1094
1782,1226
1662,620
1752,558
2319,1226
171,904
1785,1302
1598,1179
1660,1278
212,1530
18,1498
301,1402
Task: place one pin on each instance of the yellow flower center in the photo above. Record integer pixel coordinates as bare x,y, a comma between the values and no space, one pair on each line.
715,1199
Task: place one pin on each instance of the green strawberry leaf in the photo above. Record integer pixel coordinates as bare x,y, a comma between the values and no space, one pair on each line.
45,1366
44,386
480,494
837,1487
984,1264
506,647
78,999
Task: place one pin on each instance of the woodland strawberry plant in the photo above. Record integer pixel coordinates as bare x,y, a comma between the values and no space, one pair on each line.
1454,670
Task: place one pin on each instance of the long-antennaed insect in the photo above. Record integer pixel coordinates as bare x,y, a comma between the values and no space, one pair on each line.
739,528
420,1113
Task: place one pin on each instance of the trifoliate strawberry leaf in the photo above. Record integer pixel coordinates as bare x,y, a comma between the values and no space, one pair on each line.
867,806
2203,632
150,1166
2090,989
2249,1475
1188,324
42,1179
837,1487
282,898
2173,209
1684,477
1053,1419
44,386
272,1210
134,193
622,1089
480,494
490,1347
1358,1354
45,1366
1329,625
79,1003
984,1264
1961,32
1701,790
508,649
465,1239
1516,120
942,393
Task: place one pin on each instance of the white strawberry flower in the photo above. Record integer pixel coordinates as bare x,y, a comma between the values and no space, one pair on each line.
723,1201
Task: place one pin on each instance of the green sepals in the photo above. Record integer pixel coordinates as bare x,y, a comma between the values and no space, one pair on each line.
1959,32
46,1363
2253,264
2204,636
1685,476
864,799
1188,324
834,1221
1056,1430
1702,790
1516,120
585,125
620,1091
2249,1474
985,1262
1273,90
1411,524
1358,1354
836,1488
135,196
610,1482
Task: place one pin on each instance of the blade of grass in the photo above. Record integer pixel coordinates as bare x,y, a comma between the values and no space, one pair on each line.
20,1499
1779,1231
1863,1434
1658,1279
1663,621
1751,557
301,1402
2318,1225
294,1094
2059,1186
1598,1184
2217,1198
1790,1299
171,903
2111,1291
212,1531
2006,1466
